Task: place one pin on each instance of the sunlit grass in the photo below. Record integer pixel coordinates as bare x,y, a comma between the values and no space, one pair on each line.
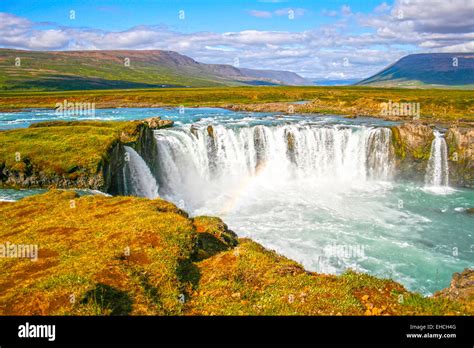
134,256
435,104
62,148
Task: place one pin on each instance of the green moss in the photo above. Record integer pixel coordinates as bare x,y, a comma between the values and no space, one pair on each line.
422,153
252,280
134,256
65,149
141,246
398,145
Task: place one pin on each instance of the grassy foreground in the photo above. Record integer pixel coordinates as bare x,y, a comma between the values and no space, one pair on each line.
435,104
134,256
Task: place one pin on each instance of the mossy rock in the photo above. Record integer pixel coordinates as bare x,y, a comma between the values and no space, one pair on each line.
213,236
397,143
59,148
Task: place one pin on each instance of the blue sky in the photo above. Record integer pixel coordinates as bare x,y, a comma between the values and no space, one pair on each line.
210,15
337,39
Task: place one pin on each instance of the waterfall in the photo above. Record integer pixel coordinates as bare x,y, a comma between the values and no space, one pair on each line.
199,163
139,180
437,171
379,154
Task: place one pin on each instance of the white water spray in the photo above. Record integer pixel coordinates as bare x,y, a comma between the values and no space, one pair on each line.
198,165
138,178
437,171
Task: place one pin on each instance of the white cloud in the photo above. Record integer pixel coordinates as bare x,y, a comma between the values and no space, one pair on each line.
346,10
383,7
260,14
18,32
437,16
368,41
294,12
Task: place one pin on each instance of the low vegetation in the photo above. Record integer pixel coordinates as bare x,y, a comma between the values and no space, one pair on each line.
133,256
76,70
62,148
435,104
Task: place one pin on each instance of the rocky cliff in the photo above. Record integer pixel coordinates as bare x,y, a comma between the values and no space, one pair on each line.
75,154
461,288
412,148
460,143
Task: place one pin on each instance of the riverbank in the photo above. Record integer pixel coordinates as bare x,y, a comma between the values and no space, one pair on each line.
133,256
435,106
75,154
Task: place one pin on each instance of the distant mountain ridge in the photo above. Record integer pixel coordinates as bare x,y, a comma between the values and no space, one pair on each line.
284,77
427,69
74,70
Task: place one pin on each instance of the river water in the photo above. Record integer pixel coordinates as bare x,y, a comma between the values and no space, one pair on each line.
317,189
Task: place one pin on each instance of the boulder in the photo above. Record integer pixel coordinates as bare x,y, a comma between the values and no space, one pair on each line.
210,131
213,236
461,288
157,123
194,131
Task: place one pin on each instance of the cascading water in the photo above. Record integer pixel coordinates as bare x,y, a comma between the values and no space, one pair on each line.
204,164
317,189
309,190
139,180
379,154
437,171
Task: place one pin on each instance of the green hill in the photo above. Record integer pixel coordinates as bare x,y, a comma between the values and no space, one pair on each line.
455,70
86,70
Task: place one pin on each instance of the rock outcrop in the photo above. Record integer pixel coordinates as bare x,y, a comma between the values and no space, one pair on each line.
33,179
99,163
461,288
460,143
157,123
412,146
213,237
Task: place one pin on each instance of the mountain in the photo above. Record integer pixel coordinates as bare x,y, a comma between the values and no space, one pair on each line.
74,70
427,70
277,76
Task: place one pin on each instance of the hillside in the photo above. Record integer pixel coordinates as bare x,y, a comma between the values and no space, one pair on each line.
169,264
278,76
427,70
75,70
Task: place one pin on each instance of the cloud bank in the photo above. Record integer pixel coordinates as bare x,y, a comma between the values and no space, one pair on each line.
354,45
